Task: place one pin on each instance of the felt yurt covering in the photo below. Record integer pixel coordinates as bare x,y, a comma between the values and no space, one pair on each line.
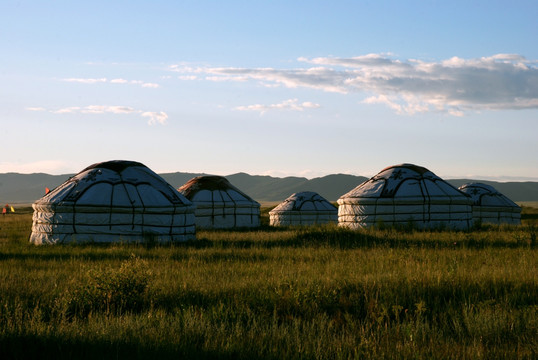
405,194
303,208
219,204
490,206
112,201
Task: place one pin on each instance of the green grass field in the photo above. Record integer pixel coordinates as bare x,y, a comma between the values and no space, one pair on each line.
292,293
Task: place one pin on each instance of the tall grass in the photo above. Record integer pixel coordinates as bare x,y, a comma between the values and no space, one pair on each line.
299,293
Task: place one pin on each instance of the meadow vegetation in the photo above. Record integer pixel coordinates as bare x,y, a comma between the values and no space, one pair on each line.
290,293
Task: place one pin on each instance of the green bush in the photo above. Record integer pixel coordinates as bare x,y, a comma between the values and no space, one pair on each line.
112,291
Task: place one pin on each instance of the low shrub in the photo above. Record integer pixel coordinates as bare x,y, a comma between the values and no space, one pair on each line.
112,291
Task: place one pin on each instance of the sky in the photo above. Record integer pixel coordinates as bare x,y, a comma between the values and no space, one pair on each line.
279,88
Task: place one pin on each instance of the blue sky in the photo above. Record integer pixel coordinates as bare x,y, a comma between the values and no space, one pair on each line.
303,88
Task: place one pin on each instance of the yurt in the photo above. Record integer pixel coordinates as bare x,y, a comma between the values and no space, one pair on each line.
219,204
405,194
113,201
303,208
490,206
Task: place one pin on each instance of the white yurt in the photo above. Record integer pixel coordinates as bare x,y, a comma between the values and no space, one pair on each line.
405,194
490,206
219,204
303,208
121,201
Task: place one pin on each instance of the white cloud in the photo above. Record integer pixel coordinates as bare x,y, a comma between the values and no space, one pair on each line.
155,117
408,104
150,85
452,86
317,78
101,109
113,81
184,68
86,81
67,110
287,105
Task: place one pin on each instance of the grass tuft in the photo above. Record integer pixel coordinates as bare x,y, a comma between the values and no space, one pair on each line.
111,291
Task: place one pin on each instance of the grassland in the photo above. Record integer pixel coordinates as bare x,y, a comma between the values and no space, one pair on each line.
297,293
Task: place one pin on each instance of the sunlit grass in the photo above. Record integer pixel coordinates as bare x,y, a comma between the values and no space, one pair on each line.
307,293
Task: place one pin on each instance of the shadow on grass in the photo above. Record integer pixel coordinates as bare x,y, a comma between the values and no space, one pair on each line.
342,238
529,217
29,346
64,255
268,237
358,299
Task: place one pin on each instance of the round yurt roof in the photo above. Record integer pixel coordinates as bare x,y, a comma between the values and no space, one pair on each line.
405,181
197,189
486,195
96,186
305,201
112,201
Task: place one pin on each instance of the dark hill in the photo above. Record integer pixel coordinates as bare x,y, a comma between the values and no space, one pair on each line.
26,188
267,188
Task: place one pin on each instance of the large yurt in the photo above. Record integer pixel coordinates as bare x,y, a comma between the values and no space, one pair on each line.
303,208
405,194
113,201
490,206
219,204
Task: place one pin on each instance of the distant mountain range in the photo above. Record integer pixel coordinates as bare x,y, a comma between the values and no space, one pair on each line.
26,188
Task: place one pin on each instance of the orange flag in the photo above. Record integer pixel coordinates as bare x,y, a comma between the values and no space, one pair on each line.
47,190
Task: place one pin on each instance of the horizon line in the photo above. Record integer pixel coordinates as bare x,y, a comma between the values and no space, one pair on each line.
500,178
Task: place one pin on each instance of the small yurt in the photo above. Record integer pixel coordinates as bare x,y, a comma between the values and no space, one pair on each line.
219,204
490,206
121,201
405,194
303,208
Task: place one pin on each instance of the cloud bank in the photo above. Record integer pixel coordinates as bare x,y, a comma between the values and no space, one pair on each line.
454,86
154,117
